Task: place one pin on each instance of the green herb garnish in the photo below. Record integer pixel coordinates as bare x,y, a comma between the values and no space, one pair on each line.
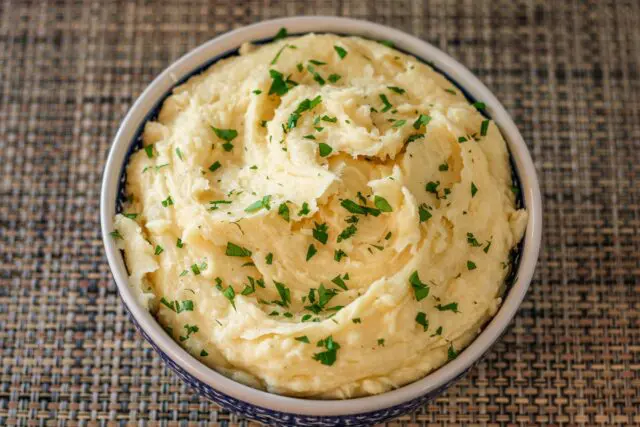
259,204
424,213
235,250
303,339
382,204
215,166
159,250
285,294
191,329
399,123
333,78
278,85
304,210
340,51
149,150
421,290
422,120
329,356
414,137
471,265
484,127
311,251
338,254
269,258
116,235
282,33
324,149
339,281
474,189
346,233
421,319
449,307
167,202
320,232
283,211
385,101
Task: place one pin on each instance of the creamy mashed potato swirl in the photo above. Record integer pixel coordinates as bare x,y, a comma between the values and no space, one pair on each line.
321,216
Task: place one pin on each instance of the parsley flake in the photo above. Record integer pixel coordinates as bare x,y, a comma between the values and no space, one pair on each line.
338,254
449,307
215,166
421,319
116,234
424,213
340,51
324,149
474,189
303,339
421,290
320,233
484,127
159,250
471,265
269,258
422,120
329,356
259,204
385,101
311,251
235,250
382,204
304,210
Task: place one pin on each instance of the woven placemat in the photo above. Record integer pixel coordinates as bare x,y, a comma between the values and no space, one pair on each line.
568,72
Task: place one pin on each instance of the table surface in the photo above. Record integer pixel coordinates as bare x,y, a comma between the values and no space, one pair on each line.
567,71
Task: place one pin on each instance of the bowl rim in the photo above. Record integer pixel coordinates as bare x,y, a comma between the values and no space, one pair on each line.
222,45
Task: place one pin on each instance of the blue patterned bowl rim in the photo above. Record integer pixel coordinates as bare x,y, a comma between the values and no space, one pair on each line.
194,61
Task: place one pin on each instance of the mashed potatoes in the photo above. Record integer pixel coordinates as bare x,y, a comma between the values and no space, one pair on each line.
320,216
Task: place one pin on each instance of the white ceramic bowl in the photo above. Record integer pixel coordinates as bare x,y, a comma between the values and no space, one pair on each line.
281,410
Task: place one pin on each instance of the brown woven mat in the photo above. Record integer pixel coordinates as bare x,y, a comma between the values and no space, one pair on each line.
569,73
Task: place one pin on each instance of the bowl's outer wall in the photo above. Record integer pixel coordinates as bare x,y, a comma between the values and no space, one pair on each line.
307,415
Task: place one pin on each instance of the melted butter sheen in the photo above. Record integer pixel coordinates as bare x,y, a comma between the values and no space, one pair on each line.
268,162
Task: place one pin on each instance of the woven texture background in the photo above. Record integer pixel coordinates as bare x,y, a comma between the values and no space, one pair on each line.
568,72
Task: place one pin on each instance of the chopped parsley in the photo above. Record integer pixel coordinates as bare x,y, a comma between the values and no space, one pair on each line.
320,233
303,339
198,268
484,127
230,294
396,89
338,254
356,320
283,211
382,204
432,187
179,153
471,265
309,137
225,134
203,353
131,215
385,101
438,331
149,150
214,204
421,319
474,189
421,290
422,120
443,167
340,51
326,118
304,210
355,208
235,250
179,243
388,236
472,241
387,43
257,92
451,353
311,251
451,91
462,139
269,258
424,213
453,306
305,105
278,85
324,149
116,234
178,306
215,166
486,248
159,250
275,58
282,33
346,233
333,78
167,202
329,356
339,281
285,294
414,137
381,342
191,329
480,105
259,204
399,123
316,76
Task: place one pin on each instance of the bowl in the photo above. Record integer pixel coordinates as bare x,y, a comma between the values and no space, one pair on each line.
270,408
